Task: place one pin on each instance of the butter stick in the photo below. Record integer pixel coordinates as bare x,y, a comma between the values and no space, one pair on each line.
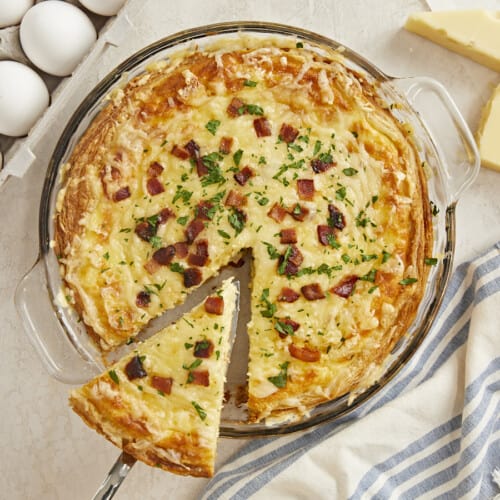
488,134
471,33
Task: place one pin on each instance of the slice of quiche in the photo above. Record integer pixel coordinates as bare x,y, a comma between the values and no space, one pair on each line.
162,402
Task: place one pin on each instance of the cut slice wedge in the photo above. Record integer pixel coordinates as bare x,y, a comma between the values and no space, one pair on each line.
162,402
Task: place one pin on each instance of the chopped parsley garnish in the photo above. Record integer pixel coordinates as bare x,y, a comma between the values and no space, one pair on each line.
354,133
106,255
250,83
340,193
223,234
268,307
283,328
373,288
183,220
280,379
155,241
367,257
299,45
272,251
346,258
237,157
214,175
330,238
385,256
193,365
325,158
263,201
201,412
114,377
187,345
408,281
212,126
349,171
125,230
182,194
237,221
251,109
288,253
430,261
362,220
369,276
175,267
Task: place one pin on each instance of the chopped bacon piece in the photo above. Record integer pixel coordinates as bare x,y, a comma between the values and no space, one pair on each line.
134,368
192,277
154,186
199,377
143,299
164,255
345,287
181,249
337,219
145,230
305,189
200,257
312,291
304,353
122,194
203,348
164,214
325,234
162,384
320,166
180,152
288,235
203,210
233,110
155,169
226,143
287,322
235,199
151,266
288,133
277,213
214,305
194,228
295,258
262,127
243,175
193,149
288,295
299,212
201,168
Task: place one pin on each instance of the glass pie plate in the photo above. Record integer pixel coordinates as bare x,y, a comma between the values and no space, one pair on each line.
444,142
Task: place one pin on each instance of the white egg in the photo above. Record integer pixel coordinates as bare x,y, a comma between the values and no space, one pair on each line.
23,98
103,7
12,11
56,35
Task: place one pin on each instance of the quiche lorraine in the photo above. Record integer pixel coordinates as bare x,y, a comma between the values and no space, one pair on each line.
258,144
162,402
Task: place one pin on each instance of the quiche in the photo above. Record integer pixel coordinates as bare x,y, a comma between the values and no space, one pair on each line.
263,144
162,402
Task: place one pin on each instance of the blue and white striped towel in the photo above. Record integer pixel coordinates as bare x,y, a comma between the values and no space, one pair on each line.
434,432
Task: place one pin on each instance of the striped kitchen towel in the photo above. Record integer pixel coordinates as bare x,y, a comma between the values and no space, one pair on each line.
433,432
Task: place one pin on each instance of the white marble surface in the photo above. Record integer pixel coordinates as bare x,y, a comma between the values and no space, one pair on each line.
47,452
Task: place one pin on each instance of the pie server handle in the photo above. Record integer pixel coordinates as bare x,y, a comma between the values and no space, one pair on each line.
115,477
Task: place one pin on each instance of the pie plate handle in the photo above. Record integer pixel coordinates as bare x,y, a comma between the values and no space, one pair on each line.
449,133
38,310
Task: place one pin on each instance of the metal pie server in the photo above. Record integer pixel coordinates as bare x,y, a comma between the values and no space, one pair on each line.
124,462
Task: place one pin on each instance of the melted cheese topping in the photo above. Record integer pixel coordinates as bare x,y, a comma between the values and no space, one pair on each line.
374,181
177,430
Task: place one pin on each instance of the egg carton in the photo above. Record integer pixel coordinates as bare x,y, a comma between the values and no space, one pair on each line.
20,154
